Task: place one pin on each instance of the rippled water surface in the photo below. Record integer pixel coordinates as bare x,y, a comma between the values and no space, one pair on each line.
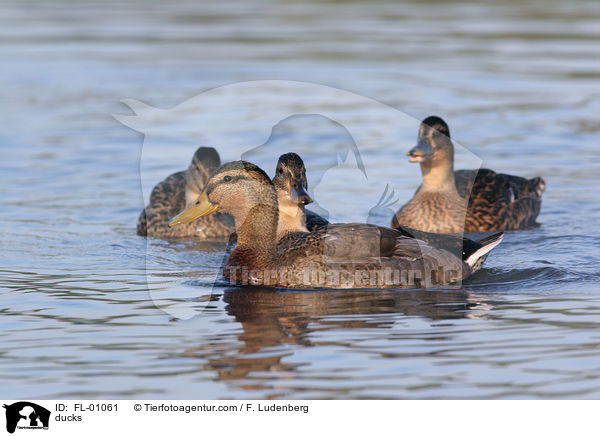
519,85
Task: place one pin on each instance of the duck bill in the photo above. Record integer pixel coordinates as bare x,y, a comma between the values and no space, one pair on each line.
201,207
420,152
300,196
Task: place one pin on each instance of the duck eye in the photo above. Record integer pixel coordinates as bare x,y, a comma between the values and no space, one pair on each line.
280,170
227,179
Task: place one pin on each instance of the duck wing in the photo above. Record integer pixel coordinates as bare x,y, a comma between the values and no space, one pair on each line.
499,201
166,200
350,242
349,251
314,221
360,241
454,243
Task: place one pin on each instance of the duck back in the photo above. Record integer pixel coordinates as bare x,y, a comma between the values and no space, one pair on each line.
499,201
314,220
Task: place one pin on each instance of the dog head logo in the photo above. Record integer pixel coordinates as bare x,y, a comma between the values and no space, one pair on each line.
24,414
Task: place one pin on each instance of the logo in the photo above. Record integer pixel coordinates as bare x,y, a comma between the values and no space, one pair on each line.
26,415
257,121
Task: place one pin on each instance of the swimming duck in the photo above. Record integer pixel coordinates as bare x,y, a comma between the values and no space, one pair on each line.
451,201
338,256
179,191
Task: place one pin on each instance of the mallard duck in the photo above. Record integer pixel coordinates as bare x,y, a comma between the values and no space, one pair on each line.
451,201
291,185
179,191
338,256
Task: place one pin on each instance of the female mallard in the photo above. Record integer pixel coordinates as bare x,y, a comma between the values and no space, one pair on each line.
181,189
338,256
451,201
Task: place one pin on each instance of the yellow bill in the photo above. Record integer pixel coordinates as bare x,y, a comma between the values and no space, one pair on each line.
201,207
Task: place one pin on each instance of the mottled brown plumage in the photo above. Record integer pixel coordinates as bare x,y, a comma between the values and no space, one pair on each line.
314,220
179,191
451,201
499,201
434,212
339,256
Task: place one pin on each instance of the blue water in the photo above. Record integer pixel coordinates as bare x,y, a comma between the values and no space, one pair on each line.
85,313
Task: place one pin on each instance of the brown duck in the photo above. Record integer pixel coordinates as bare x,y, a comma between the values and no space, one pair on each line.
338,256
451,201
181,189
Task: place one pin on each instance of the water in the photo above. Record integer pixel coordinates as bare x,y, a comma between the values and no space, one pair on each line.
518,85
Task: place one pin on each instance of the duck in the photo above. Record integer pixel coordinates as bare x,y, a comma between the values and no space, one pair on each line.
451,201
180,190
339,256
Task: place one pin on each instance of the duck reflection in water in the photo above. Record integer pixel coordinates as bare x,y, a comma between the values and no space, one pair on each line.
273,318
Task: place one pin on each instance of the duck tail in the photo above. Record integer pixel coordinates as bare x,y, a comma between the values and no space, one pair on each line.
477,257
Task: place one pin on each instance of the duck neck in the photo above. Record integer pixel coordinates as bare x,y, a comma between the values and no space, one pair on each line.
438,177
291,216
258,232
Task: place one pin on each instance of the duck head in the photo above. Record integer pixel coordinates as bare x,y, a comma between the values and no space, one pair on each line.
240,189
434,146
205,161
290,180
291,184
